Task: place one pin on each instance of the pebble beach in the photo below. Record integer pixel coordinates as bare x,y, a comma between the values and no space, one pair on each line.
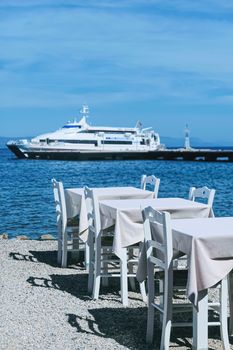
46,307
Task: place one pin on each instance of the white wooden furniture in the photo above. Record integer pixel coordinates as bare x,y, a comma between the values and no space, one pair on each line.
206,195
209,246
202,192
160,255
127,216
68,233
76,204
104,263
150,180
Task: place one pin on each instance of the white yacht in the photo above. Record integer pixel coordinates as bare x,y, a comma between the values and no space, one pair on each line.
78,140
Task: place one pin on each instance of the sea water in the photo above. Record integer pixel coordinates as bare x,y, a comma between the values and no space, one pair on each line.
26,196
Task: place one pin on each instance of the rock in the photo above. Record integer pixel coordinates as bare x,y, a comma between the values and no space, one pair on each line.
47,237
4,236
22,238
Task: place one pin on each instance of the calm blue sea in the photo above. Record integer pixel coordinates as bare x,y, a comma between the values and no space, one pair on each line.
26,198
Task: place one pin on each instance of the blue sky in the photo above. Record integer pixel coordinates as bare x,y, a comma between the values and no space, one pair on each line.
166,63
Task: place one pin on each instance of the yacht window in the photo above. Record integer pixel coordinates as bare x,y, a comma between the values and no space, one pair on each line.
109,131
106,142
93,142
71,126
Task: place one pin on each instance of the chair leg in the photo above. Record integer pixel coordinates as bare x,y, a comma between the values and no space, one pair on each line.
124,280
143,291
87,254
130,267
200,323
223,314
90,279
150,311
166,332
230,292
64,250
105,268
97,271
161,298
89,258
167,314
59,251
96,286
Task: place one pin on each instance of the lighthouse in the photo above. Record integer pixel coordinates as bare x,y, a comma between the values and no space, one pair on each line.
187,138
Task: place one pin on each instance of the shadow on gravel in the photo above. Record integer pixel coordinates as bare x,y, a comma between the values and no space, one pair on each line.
127,326
74,284
45,257
22,257
48,257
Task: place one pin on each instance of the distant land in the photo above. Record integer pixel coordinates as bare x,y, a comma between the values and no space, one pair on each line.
168,141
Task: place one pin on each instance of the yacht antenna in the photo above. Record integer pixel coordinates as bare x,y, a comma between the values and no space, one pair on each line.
138,125
84,111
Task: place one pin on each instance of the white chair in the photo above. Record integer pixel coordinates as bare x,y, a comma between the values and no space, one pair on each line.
202,192
194,195
68,235
160,255
150,180
104,263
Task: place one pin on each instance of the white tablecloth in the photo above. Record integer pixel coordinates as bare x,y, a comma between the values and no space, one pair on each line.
127,216
208,243
76,205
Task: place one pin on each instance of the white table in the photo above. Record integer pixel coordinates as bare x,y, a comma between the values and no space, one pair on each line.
76,204
208,243
127,216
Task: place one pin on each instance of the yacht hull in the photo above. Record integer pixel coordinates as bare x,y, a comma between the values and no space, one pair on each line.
15,149
165,154
79,155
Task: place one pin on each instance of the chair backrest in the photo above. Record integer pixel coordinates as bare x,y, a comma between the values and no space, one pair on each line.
158,240
60,205
202,192
150,180
93,213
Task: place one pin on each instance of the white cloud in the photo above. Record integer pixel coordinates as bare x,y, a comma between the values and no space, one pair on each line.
53,51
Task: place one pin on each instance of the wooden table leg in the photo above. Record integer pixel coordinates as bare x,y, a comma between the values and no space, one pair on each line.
200,324
124,278
230,292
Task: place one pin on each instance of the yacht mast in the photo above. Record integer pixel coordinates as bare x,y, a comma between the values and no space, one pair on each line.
84,111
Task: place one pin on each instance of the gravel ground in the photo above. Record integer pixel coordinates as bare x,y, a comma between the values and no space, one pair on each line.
46,307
